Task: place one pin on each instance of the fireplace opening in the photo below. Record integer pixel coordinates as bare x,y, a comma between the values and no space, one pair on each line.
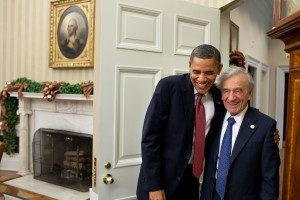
63,158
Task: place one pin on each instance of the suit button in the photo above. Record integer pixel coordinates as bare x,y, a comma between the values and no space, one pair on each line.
178,178
187,157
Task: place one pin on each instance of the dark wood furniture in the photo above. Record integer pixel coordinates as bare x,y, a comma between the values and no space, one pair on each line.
288,30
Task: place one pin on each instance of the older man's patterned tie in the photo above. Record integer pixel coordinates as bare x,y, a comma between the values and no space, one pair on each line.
199,143
224,160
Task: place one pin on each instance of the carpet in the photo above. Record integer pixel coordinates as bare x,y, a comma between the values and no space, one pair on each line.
12,196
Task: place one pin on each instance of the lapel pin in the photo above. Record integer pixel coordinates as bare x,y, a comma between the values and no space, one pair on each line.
252,126
219,102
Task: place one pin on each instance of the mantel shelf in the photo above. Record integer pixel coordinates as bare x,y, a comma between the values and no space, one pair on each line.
77,97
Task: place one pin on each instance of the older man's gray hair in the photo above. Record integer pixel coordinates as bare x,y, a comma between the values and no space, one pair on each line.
234,72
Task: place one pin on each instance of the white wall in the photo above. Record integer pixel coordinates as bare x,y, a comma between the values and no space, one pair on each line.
255,20
253,24
277,57
224,40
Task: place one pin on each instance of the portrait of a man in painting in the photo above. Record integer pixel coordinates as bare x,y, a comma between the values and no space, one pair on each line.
72,32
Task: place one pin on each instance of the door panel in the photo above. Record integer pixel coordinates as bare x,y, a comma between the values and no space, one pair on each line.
140,42
133,92
148,37
190,32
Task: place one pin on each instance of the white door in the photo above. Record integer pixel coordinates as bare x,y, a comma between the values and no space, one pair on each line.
140,42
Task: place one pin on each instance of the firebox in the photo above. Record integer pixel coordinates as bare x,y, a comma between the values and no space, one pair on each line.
63,158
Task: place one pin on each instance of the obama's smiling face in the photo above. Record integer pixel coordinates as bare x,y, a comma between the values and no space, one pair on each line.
203,73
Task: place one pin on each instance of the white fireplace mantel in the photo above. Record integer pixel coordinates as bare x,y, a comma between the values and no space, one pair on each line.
72,112
77,97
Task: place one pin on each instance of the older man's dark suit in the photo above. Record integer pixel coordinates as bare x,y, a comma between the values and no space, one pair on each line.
254,168
168,134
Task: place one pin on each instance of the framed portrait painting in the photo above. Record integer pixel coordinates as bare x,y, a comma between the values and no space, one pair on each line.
71,34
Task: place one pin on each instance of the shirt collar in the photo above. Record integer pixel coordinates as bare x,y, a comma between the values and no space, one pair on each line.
238,118
196,93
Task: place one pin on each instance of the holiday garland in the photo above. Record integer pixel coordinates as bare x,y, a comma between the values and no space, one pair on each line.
9,122
9,105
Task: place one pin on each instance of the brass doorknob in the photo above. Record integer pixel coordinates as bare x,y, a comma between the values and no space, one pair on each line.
108,179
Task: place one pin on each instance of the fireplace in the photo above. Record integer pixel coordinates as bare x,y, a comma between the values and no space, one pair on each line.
68,116
63,158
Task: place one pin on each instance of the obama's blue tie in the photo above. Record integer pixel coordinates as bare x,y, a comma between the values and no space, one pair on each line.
224,160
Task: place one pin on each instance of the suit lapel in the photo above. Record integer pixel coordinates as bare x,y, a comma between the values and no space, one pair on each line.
247,128
216,146
217,98
188,98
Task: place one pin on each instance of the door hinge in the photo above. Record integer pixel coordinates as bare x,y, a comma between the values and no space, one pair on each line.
95,171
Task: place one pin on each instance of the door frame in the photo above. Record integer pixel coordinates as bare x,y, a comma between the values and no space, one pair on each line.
280,81
259,67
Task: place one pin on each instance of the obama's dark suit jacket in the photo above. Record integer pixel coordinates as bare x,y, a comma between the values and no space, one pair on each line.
168,134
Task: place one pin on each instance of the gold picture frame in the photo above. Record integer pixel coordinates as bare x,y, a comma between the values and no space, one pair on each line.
71,34
234,37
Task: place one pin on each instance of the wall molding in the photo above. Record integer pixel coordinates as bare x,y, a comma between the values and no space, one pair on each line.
266,69
259,67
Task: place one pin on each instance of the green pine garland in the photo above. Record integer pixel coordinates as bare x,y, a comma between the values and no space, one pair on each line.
33,86
67,88
9,138
11,105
